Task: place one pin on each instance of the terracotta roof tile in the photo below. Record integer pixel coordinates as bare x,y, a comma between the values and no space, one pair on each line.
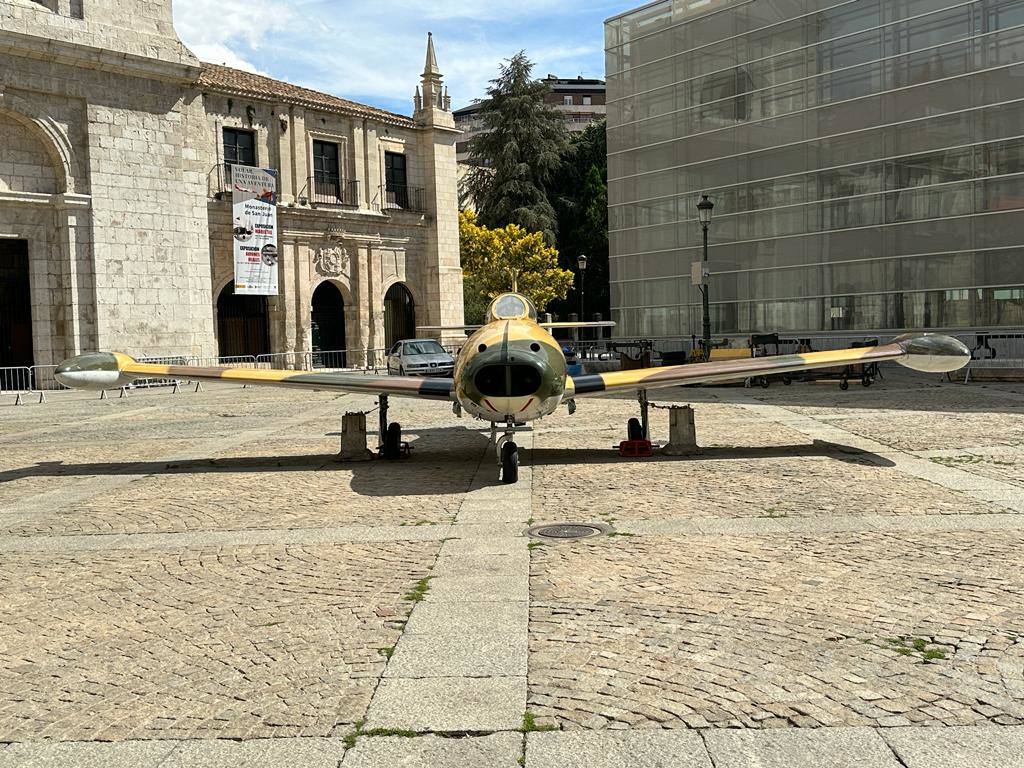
236,81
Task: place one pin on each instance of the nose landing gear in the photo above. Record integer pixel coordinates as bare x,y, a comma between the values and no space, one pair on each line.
509,462
508,451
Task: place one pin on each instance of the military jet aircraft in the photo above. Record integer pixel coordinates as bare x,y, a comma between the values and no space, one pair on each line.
511,371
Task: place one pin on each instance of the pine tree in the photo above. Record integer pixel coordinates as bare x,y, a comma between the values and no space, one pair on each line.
518,155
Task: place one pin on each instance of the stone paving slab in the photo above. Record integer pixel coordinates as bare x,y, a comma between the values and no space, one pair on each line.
466,564
788,588
452,704
500,750
810,748
258,753
474,589
976,747
470,618
126,754
459,654
636,749
299,536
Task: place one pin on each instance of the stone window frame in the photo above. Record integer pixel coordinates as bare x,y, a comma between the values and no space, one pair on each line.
345,171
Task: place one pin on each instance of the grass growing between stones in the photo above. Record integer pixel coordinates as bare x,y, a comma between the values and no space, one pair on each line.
350,738
419,592
530,724
916,646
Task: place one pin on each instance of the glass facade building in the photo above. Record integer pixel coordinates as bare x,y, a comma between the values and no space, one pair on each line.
865,158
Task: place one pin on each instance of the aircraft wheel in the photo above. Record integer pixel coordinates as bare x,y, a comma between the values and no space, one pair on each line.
844,384
764,382
509,463
393,441
787,379
634,431
866,381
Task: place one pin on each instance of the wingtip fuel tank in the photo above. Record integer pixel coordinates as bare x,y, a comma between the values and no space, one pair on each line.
932,352
94,371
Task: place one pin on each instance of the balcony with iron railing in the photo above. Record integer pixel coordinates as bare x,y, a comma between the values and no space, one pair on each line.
325,191
394,197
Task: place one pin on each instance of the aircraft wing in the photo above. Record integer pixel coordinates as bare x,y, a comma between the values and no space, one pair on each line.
923,352
581,324
106,370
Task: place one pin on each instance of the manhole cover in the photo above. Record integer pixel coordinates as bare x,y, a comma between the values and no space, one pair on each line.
567,531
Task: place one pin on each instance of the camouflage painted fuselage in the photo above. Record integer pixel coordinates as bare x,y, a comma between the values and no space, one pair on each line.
510,370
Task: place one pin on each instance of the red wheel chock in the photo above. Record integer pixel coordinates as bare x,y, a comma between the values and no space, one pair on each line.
635,449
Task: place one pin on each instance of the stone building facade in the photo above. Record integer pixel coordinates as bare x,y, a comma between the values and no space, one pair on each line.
115,202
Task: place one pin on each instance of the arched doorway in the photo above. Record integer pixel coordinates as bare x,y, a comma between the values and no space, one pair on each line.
328,316
399,315
15,305
241,324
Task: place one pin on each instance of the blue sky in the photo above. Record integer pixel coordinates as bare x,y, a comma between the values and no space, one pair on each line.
373,52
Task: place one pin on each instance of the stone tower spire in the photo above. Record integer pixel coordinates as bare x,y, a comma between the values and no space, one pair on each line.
430,68
433,108
435,139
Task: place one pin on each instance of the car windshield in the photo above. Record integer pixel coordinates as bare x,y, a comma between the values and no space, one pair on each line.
422,348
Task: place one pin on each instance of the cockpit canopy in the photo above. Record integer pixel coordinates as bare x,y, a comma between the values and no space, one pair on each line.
511,306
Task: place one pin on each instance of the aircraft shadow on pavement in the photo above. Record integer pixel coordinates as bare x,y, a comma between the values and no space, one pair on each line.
443,461
819,448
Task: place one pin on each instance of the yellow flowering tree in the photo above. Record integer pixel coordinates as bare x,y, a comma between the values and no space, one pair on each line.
498,260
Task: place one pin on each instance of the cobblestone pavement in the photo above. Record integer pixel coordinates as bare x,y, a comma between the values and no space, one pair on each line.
178,570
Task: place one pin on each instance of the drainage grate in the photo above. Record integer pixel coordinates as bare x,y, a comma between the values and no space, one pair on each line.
564,531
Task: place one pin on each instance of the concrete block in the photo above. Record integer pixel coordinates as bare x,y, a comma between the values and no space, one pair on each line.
682,439
353,437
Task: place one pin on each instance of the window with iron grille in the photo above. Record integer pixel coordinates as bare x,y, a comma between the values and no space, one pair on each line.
326,170
395,180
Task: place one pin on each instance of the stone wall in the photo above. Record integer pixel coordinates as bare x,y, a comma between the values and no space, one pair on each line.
111,167
125,265
24,165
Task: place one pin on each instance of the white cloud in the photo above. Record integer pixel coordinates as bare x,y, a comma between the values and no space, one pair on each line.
374,51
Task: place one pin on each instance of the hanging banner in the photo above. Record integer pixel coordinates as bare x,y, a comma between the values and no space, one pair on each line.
254,230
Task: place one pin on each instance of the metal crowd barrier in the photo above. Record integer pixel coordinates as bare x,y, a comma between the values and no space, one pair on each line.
994,357
362,359
16,381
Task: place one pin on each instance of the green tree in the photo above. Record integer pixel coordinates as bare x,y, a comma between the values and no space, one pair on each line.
580,198
518,155
510,258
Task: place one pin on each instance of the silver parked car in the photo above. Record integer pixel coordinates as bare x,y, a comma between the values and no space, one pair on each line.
420,357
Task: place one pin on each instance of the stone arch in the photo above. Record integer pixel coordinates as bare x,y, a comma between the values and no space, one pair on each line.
331,313
243,323
51,136
399,313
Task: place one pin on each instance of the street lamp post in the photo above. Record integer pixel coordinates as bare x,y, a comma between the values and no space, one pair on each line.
581,262
704,208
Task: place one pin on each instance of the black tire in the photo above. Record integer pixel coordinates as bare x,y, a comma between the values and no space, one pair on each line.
787,379
509,463
764,382
865,380
393,441
844,384
634,431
